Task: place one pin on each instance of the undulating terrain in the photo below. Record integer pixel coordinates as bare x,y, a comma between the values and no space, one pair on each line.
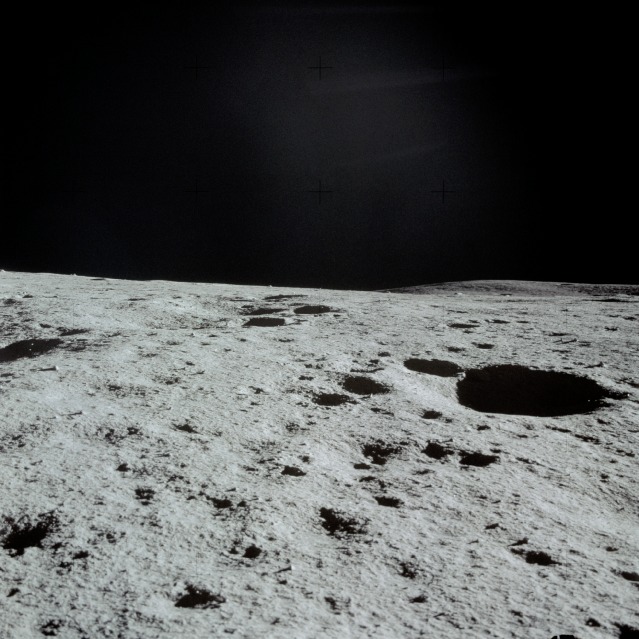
209,460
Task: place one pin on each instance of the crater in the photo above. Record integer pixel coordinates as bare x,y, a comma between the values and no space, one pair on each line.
379,452
293,471
512,389
477,459
330,399
199,598
338,524
262,311
389,502
627,632
28,348
438,367
436,451
265,321
72,331
539,558
144,495
363,385
282,297
25,534
312,310
252,552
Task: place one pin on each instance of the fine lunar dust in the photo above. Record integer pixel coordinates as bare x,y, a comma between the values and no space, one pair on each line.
181,459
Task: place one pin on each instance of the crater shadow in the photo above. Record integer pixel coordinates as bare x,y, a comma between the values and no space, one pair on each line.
262,311
28,348
23,534
363,385
312,310
513,389
265,321
330,399
199,598
438,367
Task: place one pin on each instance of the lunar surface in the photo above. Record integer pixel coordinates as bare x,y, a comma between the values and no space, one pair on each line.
209,460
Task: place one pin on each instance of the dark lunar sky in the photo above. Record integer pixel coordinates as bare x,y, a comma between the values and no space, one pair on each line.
115,116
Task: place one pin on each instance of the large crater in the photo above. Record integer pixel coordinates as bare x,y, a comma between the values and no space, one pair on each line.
517,390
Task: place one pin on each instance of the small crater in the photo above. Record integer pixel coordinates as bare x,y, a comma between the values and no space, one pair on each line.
627,632
123,468
50,629
520,542
517,390
24,534
630,576
361,466
185,428
282,297
462,325
338,524
382,411
437,367
390,502
437,451
330,399
312,310
363,385
539,558
265,321
252,552
379,452
477,459
68,332
431,414
293,471
262,311
408,569
418,599
455,349
28,348
199,598
593,623
144,495
221,503
483,346
337,605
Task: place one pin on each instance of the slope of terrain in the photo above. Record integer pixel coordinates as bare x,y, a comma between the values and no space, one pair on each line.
207,460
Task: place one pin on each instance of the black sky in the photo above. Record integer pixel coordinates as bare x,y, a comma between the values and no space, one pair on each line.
109,130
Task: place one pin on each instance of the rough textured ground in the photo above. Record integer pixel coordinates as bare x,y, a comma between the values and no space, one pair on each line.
205,460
